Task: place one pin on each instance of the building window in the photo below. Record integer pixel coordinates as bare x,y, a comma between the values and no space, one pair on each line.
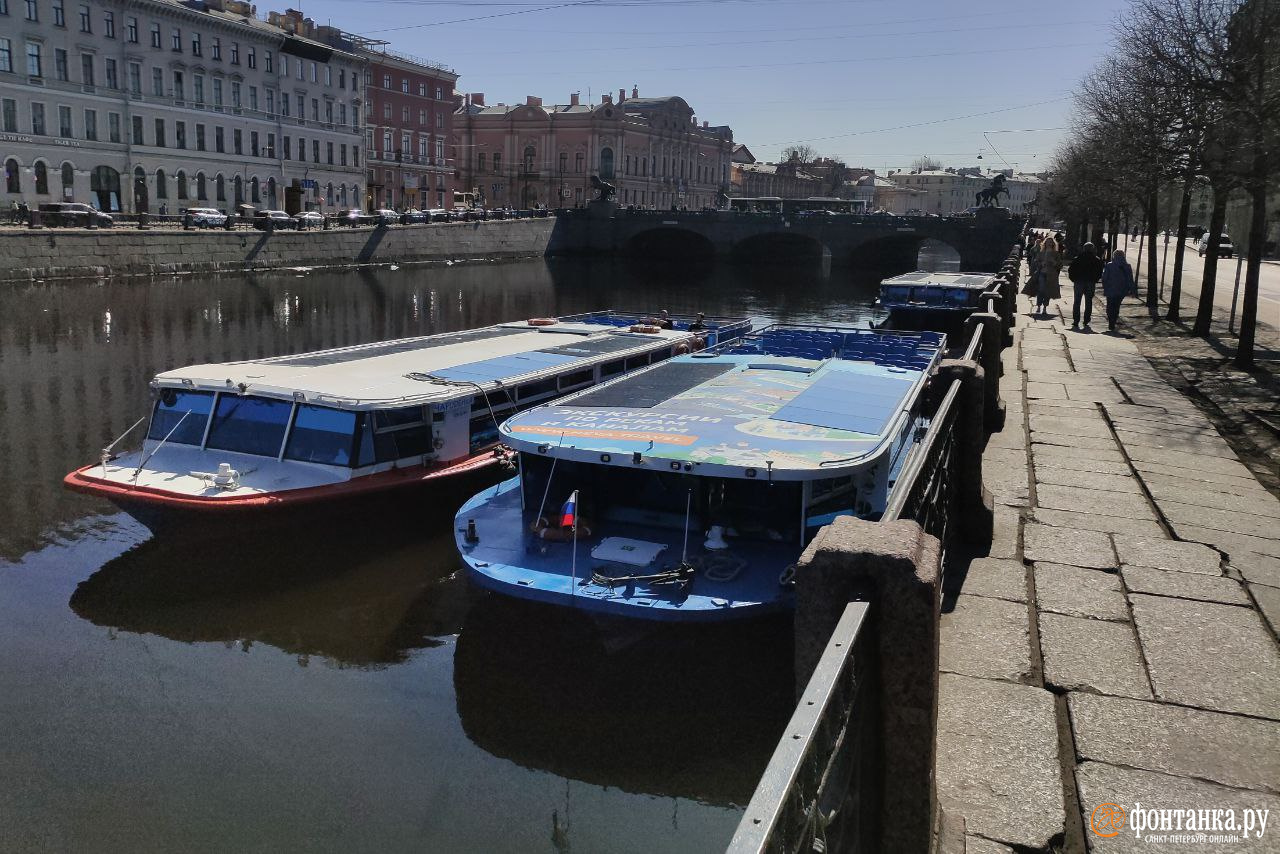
406,145
238,185
386,110
91,124
37,118
302,106
439,121
386,80
497,161
480,162
180,134
182,184
253,143
439,151
86,20
284,104
439,94
157,82
288,148
217,93
251,57
113,127
237,141
315,151
59,15
422,147
197,89
342,79
235,94
215,48
9,115
112,76
34,65
219,189
315,109
235,53
137,130
201,190
60,64
328,112
253,98
329,153
159,133
253,190
386,143
68,180
42,178
302,149
355,155
135,78
328,76
33,12
131,30
219,140
109,24
271,145
162,186
314,77
6,55
404,85
200,138
342,154
155,35
266,61
12,183
64,122
179,86
271,102
579,162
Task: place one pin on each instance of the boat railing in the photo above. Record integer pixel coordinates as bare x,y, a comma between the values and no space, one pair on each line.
820,789
925,490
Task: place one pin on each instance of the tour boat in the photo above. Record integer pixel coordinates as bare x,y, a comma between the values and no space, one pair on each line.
688,490
928,300
253,441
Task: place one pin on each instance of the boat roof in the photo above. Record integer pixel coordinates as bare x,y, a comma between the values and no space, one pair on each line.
979,281
742,407
410,371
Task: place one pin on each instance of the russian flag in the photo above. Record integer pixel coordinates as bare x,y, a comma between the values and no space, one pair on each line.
569,512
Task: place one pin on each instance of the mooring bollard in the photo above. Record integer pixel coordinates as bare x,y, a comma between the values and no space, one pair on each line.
973,503
992,366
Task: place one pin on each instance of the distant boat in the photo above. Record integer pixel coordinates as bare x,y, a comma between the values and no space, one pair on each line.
262,440
693,486
929,300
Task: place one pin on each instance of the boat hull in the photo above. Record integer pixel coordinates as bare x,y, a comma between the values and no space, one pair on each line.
400,495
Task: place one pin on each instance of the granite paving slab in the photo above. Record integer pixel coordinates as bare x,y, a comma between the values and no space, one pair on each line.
998,760
1097,522
1231,521
1184,585
1006,532
979,845
1079,500
1157,428
1083,444
1101,783
1087,479
1206,446
1268,599
1091,655
1092,425
1171,555
1067,408
1111,462
1229,479
1186,460
1208,655
996,578
1123,414
1228,542
1067,545
1229,749
986,637
1048,391
1079,592
1250,502
1257,568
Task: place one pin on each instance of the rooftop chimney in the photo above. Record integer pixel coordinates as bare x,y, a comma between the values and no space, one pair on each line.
477,98
606,99
573,99
706,124
635,93
532,101
622,95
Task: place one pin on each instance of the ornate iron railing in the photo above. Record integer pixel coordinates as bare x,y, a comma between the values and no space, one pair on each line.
820,791
925,490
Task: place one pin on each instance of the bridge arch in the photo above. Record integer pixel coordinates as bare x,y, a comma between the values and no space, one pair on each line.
890,254
669,243
780,247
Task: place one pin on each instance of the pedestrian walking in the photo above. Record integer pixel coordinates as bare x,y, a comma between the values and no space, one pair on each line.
1084,273
1050,257
1033,266
1117,283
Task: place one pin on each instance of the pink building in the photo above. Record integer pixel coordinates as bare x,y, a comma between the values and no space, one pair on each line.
653,150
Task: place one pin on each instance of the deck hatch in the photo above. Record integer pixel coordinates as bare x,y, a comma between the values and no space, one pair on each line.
504,367
599,346
654,386
843,400
352,354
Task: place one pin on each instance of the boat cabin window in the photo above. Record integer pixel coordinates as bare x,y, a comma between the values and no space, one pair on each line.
171,407
535,390
322,435
625,499
499,400
577,379
249,425
829,498
400,433
611,369
637,361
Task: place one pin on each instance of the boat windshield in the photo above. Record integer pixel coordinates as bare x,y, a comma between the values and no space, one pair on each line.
322,435
249,425
181,416
753,509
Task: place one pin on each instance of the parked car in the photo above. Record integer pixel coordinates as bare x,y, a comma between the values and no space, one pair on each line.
354,216
207,217
386,215
1225,249
414,215
309,219
73,214
277,219
438,215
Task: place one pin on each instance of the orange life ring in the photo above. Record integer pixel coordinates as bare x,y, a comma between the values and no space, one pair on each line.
646,328
542,321
544,530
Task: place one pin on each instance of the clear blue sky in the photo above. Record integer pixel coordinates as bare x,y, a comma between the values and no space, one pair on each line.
838,75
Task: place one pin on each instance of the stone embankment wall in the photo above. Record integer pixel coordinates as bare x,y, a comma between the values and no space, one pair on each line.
67,253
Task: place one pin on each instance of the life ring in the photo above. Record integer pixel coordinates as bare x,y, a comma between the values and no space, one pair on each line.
542,321
544,530
646,328
680,349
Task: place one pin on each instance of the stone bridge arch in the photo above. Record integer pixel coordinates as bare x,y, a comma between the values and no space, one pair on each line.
779,247
669,242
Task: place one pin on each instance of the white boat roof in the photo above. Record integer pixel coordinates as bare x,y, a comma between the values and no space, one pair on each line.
410,371
942,280
730,411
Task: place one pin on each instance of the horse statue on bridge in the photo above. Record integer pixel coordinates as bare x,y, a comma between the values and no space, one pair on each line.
990,196
604,188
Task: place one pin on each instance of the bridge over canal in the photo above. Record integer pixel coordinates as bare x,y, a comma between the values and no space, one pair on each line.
890,243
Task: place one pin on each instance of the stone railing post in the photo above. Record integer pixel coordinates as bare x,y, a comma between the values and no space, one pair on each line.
897,567
992,365
973,504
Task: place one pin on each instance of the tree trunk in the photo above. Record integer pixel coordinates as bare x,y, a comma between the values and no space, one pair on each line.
1253,269
1153,273
1204,313
1175,288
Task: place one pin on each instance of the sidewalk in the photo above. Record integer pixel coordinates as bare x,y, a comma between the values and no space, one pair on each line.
1118,644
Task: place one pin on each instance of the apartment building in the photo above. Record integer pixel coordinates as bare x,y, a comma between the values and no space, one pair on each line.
159,105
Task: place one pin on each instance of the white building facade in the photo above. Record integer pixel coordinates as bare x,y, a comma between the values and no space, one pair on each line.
158,105
943,192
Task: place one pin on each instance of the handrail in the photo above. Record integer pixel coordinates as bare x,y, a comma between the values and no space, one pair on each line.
974,350
908,482
803,790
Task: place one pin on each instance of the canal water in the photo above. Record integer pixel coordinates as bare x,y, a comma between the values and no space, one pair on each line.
342,690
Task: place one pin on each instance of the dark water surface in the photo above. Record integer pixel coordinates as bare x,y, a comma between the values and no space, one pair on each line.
341,690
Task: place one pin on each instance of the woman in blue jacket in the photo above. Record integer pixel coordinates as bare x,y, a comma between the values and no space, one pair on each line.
1117,283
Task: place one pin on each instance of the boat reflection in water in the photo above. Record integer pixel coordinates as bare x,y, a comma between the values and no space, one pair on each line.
357,601
689,712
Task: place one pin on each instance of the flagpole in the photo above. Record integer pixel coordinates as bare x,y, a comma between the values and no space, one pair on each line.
573,560
550,477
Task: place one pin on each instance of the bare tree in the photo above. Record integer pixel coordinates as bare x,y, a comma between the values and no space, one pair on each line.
800,153
925,164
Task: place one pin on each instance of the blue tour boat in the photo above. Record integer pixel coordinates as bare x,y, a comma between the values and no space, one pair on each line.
688,490
931,292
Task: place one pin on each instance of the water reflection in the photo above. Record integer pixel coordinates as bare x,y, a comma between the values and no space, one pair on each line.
359,602
677,711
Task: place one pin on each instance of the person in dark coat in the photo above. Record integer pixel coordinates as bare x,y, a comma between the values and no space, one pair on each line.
1117,283
1084,273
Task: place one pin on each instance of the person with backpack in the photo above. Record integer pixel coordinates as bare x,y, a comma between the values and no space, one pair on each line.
1117,283
1084,273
